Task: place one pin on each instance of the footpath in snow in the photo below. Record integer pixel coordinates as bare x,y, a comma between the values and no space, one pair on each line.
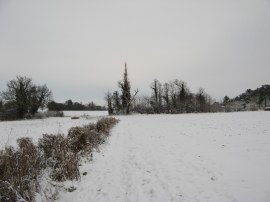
190,157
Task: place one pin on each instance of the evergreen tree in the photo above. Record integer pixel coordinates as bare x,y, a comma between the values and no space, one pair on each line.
182,94
226,99
126,96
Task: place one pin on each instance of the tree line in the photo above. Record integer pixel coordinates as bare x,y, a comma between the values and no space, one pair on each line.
250,100
23,98
171,97
174,97
69,105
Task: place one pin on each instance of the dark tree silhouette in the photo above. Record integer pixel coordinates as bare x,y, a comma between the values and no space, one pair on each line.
116,102
166,90
25,97
108,98
126,96
156,101
201,101
40,97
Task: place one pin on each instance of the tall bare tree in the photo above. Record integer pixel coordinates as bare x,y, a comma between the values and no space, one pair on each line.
108,98
166,96
201,100
157,96
39,98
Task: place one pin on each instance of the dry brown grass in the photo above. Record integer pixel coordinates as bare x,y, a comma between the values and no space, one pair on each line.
58,156
21,168
87,138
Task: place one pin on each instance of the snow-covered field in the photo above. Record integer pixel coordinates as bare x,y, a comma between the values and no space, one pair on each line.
86,113
10,131
189,157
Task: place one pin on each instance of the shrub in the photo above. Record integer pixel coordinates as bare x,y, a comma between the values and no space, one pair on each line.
78,139
87,138
105,124
52,144
21,168
59,157
65,167
8,193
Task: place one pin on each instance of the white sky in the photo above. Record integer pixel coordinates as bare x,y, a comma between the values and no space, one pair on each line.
78,48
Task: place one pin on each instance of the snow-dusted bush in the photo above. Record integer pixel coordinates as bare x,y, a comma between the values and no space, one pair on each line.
8,193
79,139
87,138
105,124
21,169
58,156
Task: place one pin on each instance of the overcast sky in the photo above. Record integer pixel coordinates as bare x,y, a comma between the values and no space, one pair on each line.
78,48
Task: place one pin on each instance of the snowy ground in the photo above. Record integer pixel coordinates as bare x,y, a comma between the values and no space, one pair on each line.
10,131
86,113
222,157
189,157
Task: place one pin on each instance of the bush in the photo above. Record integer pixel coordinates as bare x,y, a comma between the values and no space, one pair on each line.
78,139
58,156
21,168
87,138
65,167
52,144
8,193
105,124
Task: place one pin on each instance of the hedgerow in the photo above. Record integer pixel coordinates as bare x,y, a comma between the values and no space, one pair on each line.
21,168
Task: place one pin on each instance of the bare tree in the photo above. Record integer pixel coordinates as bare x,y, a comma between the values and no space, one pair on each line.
166,91
173,96
40,97
18,93
1,104
201,100
116,102
157,96
108,98
142,105
25,97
